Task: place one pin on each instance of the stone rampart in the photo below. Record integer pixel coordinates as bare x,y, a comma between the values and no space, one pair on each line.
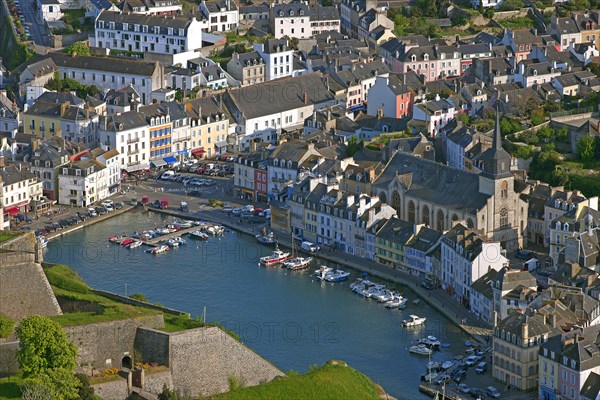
8,358
104,345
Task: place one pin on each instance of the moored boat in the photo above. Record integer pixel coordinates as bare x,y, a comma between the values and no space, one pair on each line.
413,320
322,272
159,249
337,276
266,239
297,263
420,350
176,242
134,245
127,242
116,239
431,342
275,258
198,235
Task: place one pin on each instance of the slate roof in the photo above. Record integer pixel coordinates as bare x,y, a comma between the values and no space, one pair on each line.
434,182
216,6
43,67
175,22
566,26
591,386
290,10
277,96
108,64
13,174
272,46
483,285
60,97
323,13
515,320
125,121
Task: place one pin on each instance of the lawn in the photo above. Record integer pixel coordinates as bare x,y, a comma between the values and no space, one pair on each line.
7,235
516,23
334,380
67,284
9,388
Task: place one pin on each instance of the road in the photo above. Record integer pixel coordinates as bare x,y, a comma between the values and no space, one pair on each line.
37,27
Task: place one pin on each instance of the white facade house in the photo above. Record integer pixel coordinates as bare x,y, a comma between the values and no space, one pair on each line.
146,33
111,161
20,187
486,3
222,15
107,73
292,20
537,73
278,58
82,183
465,257
49,10
128,133
435,113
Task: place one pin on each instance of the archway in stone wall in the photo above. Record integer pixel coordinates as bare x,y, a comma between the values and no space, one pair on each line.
383,197
127,362
470,223
425,215
439,221
411,212
454,218
396,202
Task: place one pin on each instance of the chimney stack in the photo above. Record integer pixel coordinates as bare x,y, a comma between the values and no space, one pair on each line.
525,332
305,98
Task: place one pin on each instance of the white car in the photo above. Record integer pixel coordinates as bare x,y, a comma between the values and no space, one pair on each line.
248,208
470,361
107,203
92,212
463,388
227,209
493,392
236,211
108,207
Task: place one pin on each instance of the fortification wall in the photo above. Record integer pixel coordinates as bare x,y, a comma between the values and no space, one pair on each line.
153,345
24,289
113,390
202,360
103,345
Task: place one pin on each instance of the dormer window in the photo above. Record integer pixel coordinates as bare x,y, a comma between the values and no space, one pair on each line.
534,72
566,226
281,13
291,13
426,57
301,12
413,58
558,226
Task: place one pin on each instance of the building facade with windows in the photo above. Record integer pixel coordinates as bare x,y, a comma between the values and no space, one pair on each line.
82,183
128,133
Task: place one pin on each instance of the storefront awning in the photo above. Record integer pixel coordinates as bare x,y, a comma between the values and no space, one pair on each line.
12,210
198,151
137,167
170,160
158,163
220,145
113,187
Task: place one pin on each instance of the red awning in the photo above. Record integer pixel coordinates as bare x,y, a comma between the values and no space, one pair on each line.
12,210
198,151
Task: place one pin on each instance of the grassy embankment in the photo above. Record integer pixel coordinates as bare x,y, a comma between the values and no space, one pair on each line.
334,380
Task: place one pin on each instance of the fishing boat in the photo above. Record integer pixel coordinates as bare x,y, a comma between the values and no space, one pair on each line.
198,235
297,263
134,245
275,258
322,272
265,238
414,320
127,242
420,350
159,249
337,276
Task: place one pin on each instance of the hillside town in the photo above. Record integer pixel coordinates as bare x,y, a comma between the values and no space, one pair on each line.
464,156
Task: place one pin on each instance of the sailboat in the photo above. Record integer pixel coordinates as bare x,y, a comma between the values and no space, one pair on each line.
296,263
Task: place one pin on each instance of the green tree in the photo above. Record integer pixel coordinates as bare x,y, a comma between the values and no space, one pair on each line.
79,48
354,146
545,133
85,391
43,346
168,394
562,133
586,149
524,152
57,384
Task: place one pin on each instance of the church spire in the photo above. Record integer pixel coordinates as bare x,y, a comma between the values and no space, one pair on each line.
497,133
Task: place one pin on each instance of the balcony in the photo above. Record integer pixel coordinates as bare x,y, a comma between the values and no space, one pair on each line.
134,140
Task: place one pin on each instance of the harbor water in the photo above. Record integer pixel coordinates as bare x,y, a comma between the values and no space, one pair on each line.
287,317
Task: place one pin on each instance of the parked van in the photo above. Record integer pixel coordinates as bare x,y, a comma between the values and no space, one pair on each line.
481,367
184,206
164,203
310,247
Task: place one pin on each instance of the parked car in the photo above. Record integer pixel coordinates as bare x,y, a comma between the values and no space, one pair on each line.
442,379
92,212
459,375
101,210
523,255
108,207
463,388
227,209
167,175
236,211
480,355
156,204
477,393
183,206
481,367
493,392
470,361
118,205
427,284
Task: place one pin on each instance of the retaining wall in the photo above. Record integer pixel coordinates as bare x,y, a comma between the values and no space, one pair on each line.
8,358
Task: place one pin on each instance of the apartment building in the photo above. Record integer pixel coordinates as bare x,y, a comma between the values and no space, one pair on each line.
82,183
129,134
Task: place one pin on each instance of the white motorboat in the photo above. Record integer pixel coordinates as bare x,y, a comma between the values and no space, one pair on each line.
198,235
215,230
322,272
159,249
395,302
384,297
373,290
163,231
297,263
403,301
430,341
275,258
337,276
413,320
134,245
420,350
176,242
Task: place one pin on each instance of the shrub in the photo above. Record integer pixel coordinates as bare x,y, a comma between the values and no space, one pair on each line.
110,372
139,297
